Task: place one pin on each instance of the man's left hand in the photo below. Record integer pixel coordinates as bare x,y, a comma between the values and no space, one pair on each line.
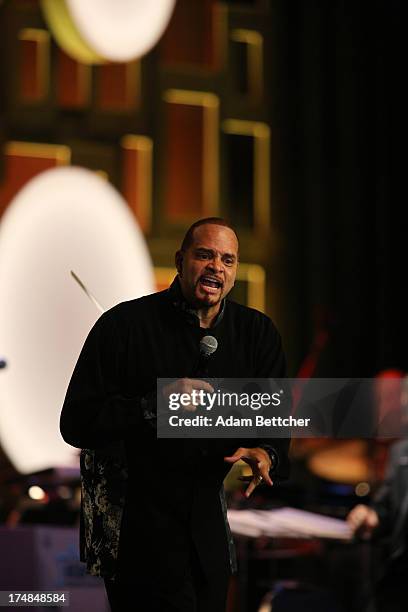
259,461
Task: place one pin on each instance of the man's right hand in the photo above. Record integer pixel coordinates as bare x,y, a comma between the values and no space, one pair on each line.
363,520
186,385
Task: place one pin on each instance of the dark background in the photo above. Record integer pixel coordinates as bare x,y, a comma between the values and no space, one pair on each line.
342,115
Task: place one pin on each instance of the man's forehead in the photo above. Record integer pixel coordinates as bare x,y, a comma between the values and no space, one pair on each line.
211,236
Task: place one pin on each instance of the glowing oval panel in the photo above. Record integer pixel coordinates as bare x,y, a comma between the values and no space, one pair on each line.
64,219
115,30
66,33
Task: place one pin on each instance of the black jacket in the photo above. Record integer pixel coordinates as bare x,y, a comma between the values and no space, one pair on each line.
147,496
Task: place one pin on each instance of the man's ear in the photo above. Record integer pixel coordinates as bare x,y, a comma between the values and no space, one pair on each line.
179,262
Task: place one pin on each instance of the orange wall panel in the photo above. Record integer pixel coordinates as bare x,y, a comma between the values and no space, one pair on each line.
118,86
34,64
29,86
184,162
23,161
191,37
72,82
137,177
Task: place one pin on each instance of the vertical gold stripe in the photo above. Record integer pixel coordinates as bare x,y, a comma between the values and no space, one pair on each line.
255,68
133,84
211,158
262,178
220,29
84,81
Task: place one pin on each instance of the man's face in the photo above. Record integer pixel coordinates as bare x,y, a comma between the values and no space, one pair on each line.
207,269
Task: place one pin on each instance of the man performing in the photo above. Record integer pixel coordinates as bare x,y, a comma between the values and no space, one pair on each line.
153,520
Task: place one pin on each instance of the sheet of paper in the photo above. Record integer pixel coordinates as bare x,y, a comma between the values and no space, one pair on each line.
287,522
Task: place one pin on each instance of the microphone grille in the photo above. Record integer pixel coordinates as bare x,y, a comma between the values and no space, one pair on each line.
208,345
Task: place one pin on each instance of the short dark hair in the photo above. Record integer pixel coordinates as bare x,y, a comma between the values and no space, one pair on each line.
188,238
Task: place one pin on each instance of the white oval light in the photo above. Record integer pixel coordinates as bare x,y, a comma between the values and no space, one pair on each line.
65,218
121,30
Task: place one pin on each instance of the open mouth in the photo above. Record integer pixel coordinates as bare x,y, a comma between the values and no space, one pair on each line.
210,283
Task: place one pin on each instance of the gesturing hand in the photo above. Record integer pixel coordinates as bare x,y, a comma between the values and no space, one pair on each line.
186,386
260,463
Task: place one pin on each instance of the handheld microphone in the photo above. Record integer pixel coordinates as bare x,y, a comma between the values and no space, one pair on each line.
208,346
